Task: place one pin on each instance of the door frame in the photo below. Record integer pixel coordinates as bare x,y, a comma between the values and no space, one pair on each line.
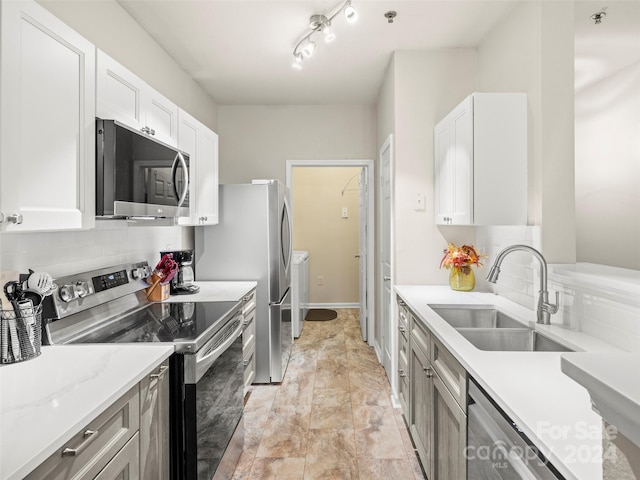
368,165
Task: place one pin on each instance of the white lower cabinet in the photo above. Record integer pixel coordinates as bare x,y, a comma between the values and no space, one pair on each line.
129,440
47,122
436,404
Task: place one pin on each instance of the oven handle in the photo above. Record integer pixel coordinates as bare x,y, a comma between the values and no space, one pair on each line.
203,363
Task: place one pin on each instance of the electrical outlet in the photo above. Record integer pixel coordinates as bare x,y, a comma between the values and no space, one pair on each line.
320,280
345,212
419,203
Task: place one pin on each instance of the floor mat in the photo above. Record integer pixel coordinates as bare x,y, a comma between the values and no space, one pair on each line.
321,314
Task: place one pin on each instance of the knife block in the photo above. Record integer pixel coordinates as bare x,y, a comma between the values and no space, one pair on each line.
157,292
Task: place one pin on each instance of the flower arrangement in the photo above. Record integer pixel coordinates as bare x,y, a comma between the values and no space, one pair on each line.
460,257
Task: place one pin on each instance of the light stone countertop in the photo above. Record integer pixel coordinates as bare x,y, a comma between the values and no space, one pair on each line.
552,409
613,382
217,291
48,399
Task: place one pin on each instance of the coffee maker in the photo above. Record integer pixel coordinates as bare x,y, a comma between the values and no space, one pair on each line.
182,282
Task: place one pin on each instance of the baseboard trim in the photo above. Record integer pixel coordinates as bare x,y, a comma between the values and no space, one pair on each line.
332,305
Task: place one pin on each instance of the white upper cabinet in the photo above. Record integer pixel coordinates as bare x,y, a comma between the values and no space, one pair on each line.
123,96
481,161
47,119
201,143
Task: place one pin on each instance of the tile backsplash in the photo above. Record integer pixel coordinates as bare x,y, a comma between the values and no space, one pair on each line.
599,300
111,242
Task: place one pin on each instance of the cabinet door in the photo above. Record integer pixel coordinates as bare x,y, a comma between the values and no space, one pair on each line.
449,435
161,116
47,118
201,144
421,386
154,424
207,179
443,173
123,96
460,159
119,92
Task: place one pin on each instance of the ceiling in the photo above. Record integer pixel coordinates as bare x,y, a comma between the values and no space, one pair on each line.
240,51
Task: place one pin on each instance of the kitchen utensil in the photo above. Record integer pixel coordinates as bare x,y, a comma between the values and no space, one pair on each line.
40,282
5,277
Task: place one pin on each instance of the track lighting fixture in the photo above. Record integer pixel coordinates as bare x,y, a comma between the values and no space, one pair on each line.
320,23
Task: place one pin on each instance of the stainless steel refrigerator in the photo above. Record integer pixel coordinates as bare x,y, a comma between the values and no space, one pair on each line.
253,242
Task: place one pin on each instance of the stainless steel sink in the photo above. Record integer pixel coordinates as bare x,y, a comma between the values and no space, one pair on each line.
476,316
511,340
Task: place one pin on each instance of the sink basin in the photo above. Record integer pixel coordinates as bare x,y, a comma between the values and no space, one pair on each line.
476,316
511,340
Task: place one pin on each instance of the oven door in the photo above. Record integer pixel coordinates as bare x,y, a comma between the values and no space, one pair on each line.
213,405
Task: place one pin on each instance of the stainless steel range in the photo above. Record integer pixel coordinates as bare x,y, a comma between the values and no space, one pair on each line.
109,305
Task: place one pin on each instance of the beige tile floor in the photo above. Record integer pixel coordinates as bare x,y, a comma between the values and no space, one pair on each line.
331,417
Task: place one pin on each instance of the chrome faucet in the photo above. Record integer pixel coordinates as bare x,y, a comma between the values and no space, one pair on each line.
545,309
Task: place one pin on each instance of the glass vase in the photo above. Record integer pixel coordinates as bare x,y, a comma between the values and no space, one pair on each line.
462,279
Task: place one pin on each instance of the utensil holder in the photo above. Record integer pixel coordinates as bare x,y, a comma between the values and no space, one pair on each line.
20,333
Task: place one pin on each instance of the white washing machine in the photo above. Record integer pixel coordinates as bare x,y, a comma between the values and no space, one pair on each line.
299,290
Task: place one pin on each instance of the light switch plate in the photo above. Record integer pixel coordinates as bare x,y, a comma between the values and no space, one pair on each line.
345,212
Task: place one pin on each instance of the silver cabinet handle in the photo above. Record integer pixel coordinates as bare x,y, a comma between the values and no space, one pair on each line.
428,372
89,436
386,279
160,374
402,329
402,373
15,218
151,131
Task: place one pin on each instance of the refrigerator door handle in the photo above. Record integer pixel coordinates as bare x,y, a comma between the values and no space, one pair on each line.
286,222
281,302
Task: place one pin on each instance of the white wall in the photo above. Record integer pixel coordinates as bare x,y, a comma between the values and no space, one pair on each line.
256,141
532,51
608,170
427,86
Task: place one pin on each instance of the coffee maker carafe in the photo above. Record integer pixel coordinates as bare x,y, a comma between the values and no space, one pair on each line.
182,283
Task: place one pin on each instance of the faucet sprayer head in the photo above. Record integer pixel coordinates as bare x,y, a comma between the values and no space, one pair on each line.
493,274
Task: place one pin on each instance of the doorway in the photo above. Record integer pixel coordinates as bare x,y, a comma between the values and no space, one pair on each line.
326,195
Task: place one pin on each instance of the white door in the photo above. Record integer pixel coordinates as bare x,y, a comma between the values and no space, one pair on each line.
384,334
363,193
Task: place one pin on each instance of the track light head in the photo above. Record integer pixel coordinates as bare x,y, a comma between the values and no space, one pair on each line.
350,13
308,48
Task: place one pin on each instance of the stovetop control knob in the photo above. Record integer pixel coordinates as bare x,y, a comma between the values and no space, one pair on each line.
138,273
67,293
82,289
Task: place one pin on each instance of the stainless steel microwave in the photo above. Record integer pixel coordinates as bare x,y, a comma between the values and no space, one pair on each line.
138,176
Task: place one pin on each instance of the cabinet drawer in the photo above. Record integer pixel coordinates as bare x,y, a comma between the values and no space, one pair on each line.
403,315
421,336
249,332
249,302
249,366
453,375
88,453
125,465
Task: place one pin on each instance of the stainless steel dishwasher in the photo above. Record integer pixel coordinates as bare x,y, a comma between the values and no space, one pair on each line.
496,448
